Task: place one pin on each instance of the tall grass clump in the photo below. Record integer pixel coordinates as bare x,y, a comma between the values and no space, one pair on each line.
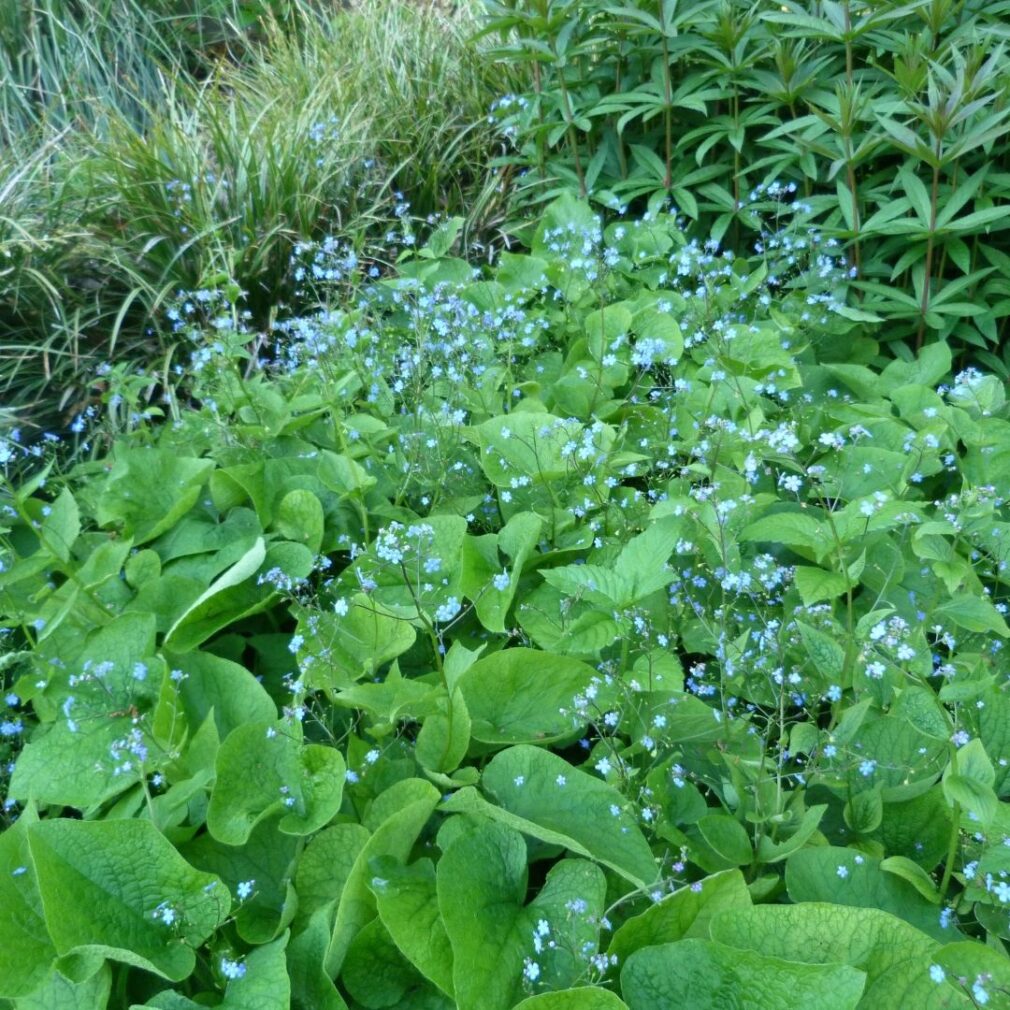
66,65
321,125
44,246
414,76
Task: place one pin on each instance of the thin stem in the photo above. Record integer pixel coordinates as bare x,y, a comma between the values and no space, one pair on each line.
955,837
572,137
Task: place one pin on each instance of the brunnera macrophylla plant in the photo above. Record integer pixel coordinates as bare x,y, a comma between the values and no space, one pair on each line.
606,626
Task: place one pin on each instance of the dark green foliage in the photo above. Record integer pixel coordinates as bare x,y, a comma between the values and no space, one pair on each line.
889,119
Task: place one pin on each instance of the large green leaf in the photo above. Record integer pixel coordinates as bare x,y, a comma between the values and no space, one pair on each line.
149,489
445,735
525,696
242,569
541,794
74,764
312,987
62,525
339,649
89,754
895,956
685,913
102,898
245,589
59,993
407,902
375,973
211,683
705,975
300,518
481,883
26,950
530,447
397,817
848,877
517,539
264,768
265,984
267,858
412,567
325,865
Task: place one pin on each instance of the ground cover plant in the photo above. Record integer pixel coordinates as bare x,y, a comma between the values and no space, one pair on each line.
600,627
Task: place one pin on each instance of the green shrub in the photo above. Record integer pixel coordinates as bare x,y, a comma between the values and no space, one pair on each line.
890,118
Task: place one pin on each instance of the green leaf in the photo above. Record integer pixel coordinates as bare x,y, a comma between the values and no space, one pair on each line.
149,490
904,868
299,517
71,764
236,595
816,584
60,993
706,975
78,760
26,951
848,877
593,583
407,902
212,684
605,327
774,852
894,955
101,900
262,769
728,838
856,315
517,696
324,867
61,527
864,811
994,732
527,445
267,857
569,214
658,333
481,884
686,912
972,796
794,529
265,984
441,239
518,540
244,568
398,815
581,998
312,987
969,779
445,735
541,794
973,613
826,655
375,973
518,272
339,649
975,962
